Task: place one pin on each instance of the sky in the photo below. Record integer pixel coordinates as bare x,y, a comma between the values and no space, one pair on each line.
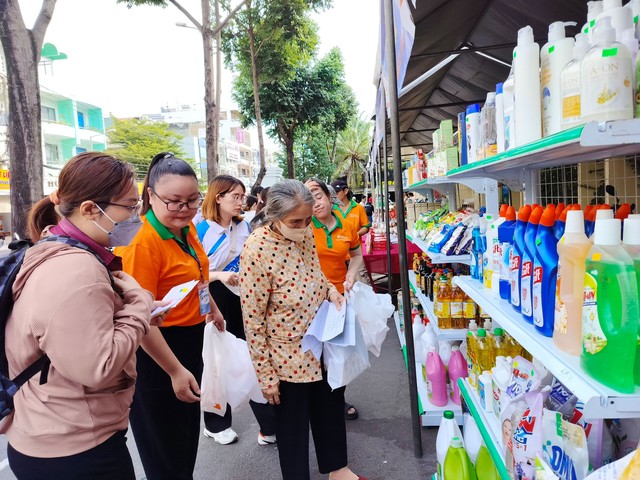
133,61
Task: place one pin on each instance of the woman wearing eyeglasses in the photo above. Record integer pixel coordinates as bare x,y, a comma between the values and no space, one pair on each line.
223,234
165,413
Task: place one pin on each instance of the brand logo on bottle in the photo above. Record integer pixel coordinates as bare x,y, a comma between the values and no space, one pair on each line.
514,264
526,269
537,275
605,67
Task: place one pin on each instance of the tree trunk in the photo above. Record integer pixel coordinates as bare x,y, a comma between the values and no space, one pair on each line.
21,48
291,168
216,121
210,105
256,99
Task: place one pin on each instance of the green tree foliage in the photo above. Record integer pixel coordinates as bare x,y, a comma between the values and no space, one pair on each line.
314,93
137,140
312,151
352,150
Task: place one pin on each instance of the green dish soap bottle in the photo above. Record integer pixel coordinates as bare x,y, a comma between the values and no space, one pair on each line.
457,464
631,243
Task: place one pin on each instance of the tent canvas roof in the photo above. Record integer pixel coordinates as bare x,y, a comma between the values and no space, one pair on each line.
444,26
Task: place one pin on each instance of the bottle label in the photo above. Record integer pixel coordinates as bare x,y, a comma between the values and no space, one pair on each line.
538,319
505,259
497,257
457,310
525,287
560,317
593,338
607,86
429,389
469,309
571,93
444,310
514,275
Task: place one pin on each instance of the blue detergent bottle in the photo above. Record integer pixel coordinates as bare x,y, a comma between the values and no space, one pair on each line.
561,220
505,239
515,260
545,273
477,251
528,255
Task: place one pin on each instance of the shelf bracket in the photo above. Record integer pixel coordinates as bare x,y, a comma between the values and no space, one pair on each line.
620,132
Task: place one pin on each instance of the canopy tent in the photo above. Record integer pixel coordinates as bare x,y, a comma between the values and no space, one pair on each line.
473,30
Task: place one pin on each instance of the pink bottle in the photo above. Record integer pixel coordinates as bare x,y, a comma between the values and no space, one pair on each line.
436,379
457,369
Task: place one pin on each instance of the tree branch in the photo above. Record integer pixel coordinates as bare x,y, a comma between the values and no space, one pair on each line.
41,24
224,22
187,14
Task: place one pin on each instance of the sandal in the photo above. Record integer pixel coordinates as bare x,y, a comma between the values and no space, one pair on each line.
350,412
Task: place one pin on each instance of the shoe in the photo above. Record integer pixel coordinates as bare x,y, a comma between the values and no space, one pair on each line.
225,437
350,415
266,439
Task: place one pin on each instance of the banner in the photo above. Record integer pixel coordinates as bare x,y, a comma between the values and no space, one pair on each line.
4,179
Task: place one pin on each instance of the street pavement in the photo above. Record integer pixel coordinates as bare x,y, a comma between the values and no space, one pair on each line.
380,441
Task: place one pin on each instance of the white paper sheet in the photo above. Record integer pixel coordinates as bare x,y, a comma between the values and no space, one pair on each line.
175,296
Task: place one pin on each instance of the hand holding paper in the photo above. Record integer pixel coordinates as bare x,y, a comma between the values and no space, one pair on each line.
175,296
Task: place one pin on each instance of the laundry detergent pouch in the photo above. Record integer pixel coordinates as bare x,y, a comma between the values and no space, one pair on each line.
439,240
564,447
561,399
626,435
524,378
627,468
599,439
544,471
455,238
527,440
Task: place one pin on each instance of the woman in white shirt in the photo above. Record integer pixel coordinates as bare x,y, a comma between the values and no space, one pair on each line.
223,234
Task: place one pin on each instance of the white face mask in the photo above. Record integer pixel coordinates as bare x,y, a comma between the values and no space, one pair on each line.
293,234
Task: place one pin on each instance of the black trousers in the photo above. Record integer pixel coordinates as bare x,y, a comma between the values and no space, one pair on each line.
301,405
108,461
166,429
230,307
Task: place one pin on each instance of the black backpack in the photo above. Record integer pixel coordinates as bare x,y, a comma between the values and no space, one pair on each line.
9,268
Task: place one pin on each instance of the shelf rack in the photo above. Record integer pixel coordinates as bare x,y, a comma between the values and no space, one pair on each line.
488,425
439,257
599,401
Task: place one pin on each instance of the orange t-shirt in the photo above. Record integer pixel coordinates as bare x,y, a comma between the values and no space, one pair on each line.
158,262
333,247
355,215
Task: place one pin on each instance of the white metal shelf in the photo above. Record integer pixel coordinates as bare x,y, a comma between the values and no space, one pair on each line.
488,425
396,320
438,258
432,413
427,305
599,401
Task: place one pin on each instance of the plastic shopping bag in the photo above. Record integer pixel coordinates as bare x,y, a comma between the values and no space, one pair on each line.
346,363
372,311
228,375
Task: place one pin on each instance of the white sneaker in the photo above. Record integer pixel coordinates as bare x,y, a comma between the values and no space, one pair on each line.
266,439
224,437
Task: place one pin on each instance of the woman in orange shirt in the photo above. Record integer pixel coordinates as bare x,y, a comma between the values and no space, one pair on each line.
165,414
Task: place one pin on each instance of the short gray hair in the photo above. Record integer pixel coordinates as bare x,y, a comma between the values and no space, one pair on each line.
284,197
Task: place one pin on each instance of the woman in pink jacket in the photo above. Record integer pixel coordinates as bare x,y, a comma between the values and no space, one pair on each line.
76,306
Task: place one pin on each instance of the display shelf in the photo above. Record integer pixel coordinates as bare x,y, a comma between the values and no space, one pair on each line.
593,141
396,320
599,401
433,414
487,424
427,305
438,258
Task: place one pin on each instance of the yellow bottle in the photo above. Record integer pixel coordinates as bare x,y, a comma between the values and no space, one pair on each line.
483,358
498,347
457,308
444,304
416,268
472,357
470,311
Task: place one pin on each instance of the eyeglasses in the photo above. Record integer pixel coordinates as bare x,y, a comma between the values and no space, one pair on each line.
176,206
237,197
135,209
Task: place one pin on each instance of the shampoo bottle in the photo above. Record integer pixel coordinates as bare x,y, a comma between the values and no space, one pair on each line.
472,120
555,54
606,91
499,118
527,88
570,84
509,117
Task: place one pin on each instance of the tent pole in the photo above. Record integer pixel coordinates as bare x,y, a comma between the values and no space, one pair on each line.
402,239
385,168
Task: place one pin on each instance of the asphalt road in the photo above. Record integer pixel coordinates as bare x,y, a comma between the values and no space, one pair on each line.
380,441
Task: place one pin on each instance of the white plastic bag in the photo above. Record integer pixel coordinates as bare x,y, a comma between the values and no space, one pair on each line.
345,363
228,375
372,311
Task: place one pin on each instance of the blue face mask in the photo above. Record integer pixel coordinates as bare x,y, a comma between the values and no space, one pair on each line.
122,232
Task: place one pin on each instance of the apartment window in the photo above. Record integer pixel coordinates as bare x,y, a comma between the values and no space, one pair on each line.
51,154
48,114
80,119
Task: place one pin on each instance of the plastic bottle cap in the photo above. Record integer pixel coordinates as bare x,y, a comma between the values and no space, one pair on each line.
448,414
556,30
499,87
629,35
607,232
604,214
498,332
510,214
608,4
455,348
559,209
456,442
581,46
524,213
503,209
623,211
491,99
576,206
575,222
594,9
525,35
631,234
536,214
548,218
482,332
604,32
474,108
563,215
